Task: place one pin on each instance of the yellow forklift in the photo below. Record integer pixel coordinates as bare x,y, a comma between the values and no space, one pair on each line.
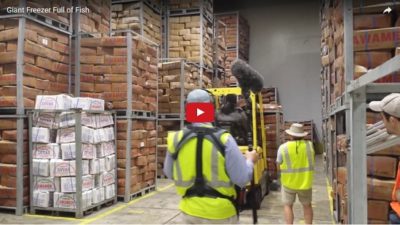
260,184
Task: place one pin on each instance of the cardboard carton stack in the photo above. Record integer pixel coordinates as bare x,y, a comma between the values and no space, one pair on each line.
191,4
169,95
104,71
143,136
188,41
8,163
97,18
237,39
220,46
270,96
46,62
54,163
127,16
163,128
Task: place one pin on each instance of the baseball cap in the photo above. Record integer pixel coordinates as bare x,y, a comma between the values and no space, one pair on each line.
389,104
198,95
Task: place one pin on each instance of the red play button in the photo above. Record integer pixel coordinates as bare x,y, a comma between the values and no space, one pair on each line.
199,112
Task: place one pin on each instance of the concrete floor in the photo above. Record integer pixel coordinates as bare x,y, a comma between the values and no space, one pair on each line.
161,207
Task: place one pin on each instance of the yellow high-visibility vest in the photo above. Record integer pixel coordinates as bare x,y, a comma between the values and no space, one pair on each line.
214,173
297,168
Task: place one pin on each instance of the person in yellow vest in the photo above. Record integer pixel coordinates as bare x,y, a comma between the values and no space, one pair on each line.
296,160
206,164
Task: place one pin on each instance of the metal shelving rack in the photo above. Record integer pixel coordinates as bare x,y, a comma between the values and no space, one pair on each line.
349,112
219,70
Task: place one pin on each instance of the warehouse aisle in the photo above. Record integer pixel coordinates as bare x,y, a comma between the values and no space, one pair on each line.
161,207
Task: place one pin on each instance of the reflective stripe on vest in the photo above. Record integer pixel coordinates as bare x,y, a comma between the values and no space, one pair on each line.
298,170
395,204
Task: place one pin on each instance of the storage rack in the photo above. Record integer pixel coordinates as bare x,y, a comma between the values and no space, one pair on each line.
348,112
204,14
79,211
219,29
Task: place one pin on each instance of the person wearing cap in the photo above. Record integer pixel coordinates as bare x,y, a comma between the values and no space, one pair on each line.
389,107
296,160
207,183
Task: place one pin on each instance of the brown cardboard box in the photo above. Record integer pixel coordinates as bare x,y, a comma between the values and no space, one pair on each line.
342,175
380,189
378,210
371,59
382,166
385,38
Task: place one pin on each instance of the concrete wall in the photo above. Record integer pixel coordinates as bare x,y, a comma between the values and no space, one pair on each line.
285,48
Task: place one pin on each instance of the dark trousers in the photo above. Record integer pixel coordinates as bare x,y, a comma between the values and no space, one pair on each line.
394,218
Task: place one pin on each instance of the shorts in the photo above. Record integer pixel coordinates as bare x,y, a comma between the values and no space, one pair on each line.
289,196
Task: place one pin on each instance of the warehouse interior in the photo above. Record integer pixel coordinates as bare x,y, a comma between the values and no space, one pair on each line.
90,92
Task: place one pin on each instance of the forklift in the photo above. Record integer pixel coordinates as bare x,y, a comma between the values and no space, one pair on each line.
260,184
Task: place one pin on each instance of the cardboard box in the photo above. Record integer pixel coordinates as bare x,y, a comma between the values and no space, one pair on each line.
380,189
110,191
385,38
40,135
69,151
40,167
47,120
68,201
66,119
105,179
42,199
46,151
382,166
68,184
378,210
52,102
46,184
98,195
89,120
97,166
88,103
110,162
104,120
61,168
105,149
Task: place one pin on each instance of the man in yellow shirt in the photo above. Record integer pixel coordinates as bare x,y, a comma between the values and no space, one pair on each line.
296,160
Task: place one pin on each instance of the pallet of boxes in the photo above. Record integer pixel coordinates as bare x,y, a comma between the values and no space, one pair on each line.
237,40
273,125
73,155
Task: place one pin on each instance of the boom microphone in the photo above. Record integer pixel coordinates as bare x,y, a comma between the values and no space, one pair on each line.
248,78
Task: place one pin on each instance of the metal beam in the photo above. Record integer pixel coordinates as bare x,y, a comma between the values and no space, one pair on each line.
356,164
77,48
386,68
382,88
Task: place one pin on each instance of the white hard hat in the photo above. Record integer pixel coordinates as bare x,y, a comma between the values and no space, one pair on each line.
198,95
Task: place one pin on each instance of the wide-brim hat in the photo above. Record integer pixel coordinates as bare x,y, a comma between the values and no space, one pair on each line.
296,130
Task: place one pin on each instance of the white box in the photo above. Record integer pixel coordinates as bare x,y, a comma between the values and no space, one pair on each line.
61,168
40,167
66,135
46,151
68,201
46,183
42,199
110,191
88,135
105,149
104,134
97,166
104,120
110,162
66,119
68,184
68,150
53,102
47,120
88,103
89,120
40,135
105,179
98,195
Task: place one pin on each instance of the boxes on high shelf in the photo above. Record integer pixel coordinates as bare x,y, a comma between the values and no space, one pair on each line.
142,154
104,71
46,62
382,166
191,4
8,162
380,189
184,39
169,95
378,210
127,16
163,128
97,18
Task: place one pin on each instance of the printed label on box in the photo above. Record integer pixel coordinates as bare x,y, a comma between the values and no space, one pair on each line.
46,151
46,183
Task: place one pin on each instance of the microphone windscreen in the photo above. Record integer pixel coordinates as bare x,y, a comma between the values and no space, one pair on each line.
248,78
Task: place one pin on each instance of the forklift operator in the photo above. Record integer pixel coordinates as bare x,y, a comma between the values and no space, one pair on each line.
233,119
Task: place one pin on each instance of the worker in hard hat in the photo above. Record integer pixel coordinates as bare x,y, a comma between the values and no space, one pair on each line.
296,160
206,164
389,107
233,119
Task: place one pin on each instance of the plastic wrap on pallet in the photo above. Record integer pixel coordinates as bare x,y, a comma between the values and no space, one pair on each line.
68,184
46,151
46,184
42,199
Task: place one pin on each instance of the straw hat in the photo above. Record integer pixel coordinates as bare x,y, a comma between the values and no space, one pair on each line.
296,130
